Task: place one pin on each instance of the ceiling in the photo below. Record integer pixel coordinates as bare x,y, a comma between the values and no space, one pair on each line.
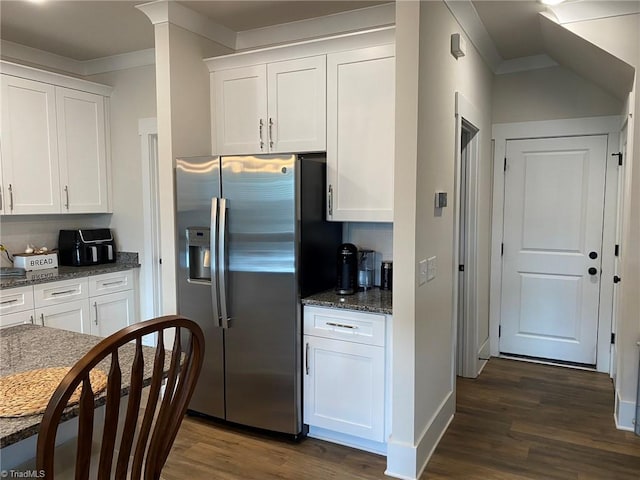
85,30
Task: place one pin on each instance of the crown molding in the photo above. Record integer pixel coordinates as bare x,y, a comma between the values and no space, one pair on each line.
570,12
467,16
328,25
14,52
522,64
164,11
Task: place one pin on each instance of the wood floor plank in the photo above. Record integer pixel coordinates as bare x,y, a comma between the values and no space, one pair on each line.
517,421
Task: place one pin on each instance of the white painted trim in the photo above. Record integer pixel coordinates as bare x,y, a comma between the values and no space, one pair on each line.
624,414
467,16
164,11
150,272
522,64
367,445
32,56
123,61
610,126
581,11
22,71
408,461
307,48
470,367
350,21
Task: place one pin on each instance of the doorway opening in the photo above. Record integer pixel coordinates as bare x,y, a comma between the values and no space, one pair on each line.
151,262
472,339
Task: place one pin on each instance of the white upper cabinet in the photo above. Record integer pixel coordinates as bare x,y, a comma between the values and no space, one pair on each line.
82,147
54,143
29,147
273,108
361,134
240,110
296,104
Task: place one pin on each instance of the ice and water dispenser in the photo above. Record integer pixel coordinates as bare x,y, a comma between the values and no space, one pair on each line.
199,253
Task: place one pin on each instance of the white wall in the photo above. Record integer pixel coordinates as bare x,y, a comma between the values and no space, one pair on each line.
423,330
549,94
133,97
184,126
620,36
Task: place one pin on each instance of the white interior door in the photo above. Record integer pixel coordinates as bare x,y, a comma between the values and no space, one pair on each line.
553,218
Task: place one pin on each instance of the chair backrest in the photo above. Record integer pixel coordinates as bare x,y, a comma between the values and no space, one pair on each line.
154,436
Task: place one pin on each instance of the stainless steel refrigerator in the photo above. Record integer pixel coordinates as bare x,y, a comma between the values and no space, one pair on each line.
252,241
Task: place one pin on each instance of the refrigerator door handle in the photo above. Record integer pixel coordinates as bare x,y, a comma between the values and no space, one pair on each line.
222,270
214,261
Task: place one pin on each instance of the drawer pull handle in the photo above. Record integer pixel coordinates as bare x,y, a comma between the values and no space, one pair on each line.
13,300
108,284
32,320
342,325
65,292
42,318
306,359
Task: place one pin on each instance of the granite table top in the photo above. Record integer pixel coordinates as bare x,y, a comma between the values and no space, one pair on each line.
373,300
28,347
124,261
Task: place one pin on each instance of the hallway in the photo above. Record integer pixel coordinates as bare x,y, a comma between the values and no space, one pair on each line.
516,421
522,420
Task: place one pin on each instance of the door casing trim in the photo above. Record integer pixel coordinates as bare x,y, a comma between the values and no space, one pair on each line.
501,133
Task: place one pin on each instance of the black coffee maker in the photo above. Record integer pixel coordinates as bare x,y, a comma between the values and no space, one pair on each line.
347,267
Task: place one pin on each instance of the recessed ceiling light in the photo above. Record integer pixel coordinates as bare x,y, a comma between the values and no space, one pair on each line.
551,3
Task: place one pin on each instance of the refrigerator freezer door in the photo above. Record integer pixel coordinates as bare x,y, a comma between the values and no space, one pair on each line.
262,342
197,183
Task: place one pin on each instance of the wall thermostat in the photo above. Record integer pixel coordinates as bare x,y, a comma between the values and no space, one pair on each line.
441,199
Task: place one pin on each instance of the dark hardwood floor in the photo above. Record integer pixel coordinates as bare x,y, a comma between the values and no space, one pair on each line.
516,421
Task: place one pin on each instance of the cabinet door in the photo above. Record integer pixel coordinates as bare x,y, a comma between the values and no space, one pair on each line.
240,110
361,134
72,316
296,103
29,147
344,387
83,154
111,312
19,318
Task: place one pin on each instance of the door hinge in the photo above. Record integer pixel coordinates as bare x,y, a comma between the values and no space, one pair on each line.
501,249
160,261
461,268
619,155
616,279
613,338
616,250
505,164
499,331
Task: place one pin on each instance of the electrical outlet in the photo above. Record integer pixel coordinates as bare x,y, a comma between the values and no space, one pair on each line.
432,268
422,268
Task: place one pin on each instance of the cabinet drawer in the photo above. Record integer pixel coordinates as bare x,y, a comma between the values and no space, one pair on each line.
110,283
60,292
16,300
18,318
346,325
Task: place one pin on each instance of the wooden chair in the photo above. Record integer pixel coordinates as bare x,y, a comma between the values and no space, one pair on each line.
154,437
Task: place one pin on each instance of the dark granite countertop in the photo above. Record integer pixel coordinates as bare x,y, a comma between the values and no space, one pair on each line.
374,300
29,347
124,261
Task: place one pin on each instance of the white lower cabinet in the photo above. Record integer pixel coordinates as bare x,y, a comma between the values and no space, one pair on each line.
72,316
345,370
98,305
111,312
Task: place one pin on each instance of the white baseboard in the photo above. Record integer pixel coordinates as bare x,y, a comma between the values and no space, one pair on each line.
408,461
378,448
625,414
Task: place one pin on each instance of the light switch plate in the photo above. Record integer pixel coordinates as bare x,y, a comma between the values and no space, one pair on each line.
432,268
422,276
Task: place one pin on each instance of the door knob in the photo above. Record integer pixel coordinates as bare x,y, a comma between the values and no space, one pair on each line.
593,270
593,255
